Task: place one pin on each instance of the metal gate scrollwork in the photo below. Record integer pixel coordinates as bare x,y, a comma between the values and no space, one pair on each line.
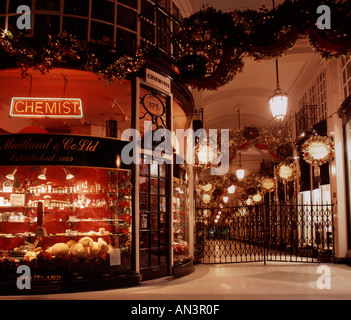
296,233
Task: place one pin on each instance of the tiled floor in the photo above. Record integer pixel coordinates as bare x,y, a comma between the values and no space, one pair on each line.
247,281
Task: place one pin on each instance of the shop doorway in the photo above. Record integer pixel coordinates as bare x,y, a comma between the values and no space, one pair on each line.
154,220
291,233
154,174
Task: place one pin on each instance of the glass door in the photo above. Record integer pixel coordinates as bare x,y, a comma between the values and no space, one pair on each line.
154,219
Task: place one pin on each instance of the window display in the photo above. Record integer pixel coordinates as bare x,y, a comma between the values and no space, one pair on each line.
64,221
180,222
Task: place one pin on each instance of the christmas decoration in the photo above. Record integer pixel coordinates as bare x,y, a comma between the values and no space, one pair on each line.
318,150
214,43
285,171
62,49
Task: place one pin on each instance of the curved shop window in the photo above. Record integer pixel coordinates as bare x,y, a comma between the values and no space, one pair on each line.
181,253
64,221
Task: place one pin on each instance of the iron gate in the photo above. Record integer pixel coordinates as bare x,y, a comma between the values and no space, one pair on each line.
295,233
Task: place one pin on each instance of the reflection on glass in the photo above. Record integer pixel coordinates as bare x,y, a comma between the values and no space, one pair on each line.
180,221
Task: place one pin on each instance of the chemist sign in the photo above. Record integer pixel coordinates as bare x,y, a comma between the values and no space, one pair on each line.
67,108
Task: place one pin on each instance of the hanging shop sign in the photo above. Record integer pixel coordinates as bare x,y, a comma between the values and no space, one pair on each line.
67,108
61,150
158,80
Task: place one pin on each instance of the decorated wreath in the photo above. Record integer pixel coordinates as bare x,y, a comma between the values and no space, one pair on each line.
285,171
318,150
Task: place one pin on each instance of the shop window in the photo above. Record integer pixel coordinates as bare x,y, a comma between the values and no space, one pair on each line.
77,7
101,33
346,72
126,42
180,222
126,18
45,25
146,4
14,4
53,5
130,3
78,27
2,6
103,10
81,225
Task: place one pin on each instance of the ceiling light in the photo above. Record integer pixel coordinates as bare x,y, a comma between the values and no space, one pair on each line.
279,101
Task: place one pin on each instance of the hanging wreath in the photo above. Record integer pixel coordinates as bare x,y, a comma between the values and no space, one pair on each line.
318,150
268,184
285,171
251,133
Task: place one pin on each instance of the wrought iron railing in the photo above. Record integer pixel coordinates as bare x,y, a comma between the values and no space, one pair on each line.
299,233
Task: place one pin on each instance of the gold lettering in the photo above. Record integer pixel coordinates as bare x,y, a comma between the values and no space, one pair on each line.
39,107
49,109
16,107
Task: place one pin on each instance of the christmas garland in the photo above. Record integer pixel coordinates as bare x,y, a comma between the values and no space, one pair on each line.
65,48
214,43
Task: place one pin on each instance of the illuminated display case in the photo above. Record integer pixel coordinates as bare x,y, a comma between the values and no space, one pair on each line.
180,222
67,223
80,225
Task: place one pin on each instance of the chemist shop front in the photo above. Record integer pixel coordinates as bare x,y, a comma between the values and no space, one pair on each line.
70,209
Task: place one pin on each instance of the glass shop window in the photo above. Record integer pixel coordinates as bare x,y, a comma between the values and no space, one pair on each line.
46,24
126,42
78,27
180,221
14,4
126,18
77,7
103,10
101,33
3,7
53,5
130,3
74,218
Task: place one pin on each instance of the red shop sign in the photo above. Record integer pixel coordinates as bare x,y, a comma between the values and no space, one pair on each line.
46,107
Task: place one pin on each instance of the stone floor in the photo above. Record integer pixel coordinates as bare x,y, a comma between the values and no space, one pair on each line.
245,281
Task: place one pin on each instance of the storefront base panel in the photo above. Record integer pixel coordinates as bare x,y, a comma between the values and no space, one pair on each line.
183,269
75,284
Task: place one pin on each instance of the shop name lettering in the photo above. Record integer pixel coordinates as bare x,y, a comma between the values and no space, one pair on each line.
28,144
46,108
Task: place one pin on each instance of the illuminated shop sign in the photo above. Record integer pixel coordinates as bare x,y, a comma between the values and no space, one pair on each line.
61,150
46,107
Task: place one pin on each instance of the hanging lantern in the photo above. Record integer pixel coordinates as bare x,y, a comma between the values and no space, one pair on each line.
318,150
279,101
279,105
207,187
240,173
231,189
225,199
206,198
